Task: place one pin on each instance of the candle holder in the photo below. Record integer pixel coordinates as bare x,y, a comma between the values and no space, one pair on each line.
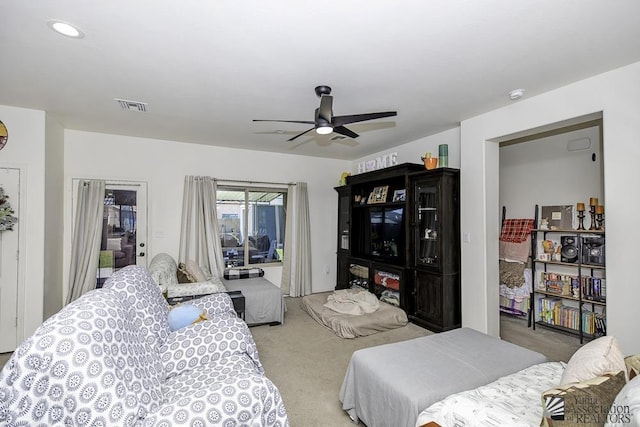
599,217
592,211
581,216
599,221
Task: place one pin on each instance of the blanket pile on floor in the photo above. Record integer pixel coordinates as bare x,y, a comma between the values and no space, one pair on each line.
353,325
348,301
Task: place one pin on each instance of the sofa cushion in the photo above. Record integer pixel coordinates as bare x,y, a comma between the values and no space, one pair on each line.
198,288
228,392
633,365
183,275
216,305
195,271
206,342
151,310
242,273
595,358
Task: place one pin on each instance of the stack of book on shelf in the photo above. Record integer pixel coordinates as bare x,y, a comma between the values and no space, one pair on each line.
600,325
594,288
549,310
561,284
552,312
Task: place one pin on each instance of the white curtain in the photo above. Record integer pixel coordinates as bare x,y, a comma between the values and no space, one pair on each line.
296,270
199,237
87,234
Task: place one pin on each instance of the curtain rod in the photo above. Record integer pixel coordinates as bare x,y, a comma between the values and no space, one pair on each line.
252,182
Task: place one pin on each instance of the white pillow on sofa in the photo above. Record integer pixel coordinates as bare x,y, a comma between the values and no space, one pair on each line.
594,359
195,271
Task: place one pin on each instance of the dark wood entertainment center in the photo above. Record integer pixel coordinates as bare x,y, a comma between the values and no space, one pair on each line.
399,238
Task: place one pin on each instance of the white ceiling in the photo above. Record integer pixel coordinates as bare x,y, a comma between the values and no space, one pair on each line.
207,68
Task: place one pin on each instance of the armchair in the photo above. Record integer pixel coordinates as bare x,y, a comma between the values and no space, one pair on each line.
123,250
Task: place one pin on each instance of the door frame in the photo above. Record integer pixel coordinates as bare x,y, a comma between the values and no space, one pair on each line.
22,203
70,208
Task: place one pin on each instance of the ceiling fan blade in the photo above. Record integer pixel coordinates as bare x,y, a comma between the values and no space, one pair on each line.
287,121
300,134
326,107
345,120
346,132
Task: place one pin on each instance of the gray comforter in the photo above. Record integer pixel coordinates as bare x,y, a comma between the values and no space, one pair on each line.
389,385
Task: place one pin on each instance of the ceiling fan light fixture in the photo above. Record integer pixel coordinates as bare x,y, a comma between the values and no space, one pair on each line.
324,129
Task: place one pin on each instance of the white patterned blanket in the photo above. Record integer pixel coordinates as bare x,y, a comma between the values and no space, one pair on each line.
513,400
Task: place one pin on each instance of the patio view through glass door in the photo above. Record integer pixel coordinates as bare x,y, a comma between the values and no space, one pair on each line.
124,229
252,224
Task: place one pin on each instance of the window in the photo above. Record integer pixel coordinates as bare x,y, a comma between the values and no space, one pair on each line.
252,224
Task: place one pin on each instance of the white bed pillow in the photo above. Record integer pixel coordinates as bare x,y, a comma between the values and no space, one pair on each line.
594,359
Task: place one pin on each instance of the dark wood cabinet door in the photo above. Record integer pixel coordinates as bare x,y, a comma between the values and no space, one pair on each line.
437,301
436,224
428,288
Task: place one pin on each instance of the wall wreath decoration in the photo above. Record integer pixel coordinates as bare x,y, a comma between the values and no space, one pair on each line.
7,219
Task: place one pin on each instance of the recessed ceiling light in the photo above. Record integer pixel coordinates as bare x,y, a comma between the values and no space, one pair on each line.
65,29
516,94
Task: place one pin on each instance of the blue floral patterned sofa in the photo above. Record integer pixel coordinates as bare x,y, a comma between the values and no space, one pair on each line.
110,359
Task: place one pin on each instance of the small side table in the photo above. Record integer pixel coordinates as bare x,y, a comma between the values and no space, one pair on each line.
238,302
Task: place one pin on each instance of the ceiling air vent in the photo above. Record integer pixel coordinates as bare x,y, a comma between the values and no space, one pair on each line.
132,105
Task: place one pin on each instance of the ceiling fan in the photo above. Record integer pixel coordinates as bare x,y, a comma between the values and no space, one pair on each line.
325,122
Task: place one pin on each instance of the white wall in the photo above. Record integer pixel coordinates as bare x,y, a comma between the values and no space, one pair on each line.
543,172
411,152
25,150
54,201
617,95
164,164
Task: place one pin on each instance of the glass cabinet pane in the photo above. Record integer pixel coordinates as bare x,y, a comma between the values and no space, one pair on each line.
428,230
359,276
343,222
387,286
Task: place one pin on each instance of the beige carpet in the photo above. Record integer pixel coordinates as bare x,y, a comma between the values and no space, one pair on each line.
308,361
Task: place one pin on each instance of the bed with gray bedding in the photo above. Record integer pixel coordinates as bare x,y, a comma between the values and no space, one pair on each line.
389,385
264,301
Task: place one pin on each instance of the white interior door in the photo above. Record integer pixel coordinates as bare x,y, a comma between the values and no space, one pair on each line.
10,182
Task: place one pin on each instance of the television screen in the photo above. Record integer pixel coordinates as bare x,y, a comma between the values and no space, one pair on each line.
386,236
